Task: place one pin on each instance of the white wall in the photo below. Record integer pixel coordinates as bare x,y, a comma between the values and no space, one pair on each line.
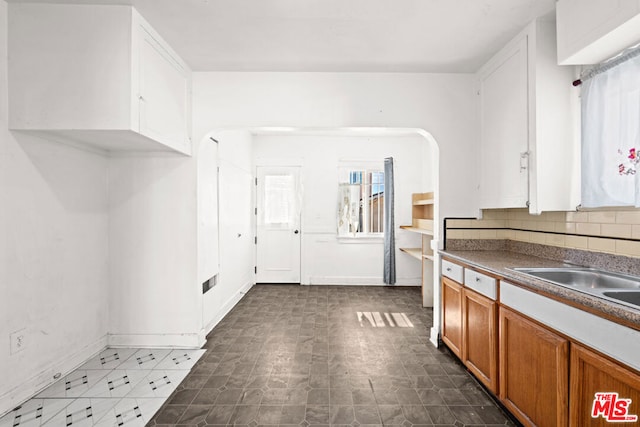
237,250
154,287
55,87
53,253
442,104
325,258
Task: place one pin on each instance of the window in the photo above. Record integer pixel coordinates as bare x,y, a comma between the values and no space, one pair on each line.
279,199
361,203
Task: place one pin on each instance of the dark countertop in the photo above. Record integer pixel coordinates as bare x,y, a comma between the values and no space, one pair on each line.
500,264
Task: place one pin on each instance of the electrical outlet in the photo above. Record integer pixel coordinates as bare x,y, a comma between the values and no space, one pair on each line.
18,341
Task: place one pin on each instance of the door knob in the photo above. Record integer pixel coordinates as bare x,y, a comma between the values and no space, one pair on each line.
296,232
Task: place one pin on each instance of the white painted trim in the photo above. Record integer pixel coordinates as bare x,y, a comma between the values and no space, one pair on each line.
433,337
359,281
226,308
360,240
187,340
64,365
619,342
332,235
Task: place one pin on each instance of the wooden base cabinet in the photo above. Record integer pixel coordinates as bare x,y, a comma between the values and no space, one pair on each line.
479,338
591,374
469,329
534,371
543,377
452,315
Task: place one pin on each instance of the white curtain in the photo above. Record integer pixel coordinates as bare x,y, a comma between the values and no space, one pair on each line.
611,136
348,209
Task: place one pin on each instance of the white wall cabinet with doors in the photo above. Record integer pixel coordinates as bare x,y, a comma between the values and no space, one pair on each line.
591,31
108,80
527,143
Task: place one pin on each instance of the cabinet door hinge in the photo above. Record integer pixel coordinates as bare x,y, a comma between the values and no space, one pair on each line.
524,161
255,270
256,181
255,240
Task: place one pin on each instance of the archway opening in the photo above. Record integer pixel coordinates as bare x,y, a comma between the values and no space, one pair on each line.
319,152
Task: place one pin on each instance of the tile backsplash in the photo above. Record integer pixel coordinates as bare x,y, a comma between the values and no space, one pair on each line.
609,231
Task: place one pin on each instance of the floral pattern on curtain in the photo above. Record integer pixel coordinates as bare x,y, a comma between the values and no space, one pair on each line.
348,209
610,104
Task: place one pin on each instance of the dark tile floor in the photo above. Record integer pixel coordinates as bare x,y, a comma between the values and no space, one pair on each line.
300,355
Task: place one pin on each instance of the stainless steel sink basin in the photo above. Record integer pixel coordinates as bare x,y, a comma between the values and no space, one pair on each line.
630,297
619,288
584,277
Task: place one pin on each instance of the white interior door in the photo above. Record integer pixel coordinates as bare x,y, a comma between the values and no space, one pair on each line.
278,224
236,220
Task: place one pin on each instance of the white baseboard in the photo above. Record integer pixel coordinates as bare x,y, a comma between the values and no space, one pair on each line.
434,337
226,308
63,366
359,281
187,340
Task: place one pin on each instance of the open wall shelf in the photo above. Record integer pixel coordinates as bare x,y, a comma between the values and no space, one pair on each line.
417,229
414,252
422,211
422,208
422,205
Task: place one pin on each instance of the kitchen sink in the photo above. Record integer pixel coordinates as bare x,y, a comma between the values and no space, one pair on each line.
619,288
630,297
579,277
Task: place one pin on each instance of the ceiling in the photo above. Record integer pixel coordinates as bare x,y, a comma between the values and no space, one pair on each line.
336,35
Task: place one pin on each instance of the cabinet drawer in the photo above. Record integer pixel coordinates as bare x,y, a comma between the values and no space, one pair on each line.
453,271
480,283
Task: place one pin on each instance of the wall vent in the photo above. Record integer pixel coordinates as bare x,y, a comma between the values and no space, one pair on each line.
208,284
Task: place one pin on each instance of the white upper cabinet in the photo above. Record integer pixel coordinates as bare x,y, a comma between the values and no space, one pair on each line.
502,86
164,88
591,31
529,154
96,75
